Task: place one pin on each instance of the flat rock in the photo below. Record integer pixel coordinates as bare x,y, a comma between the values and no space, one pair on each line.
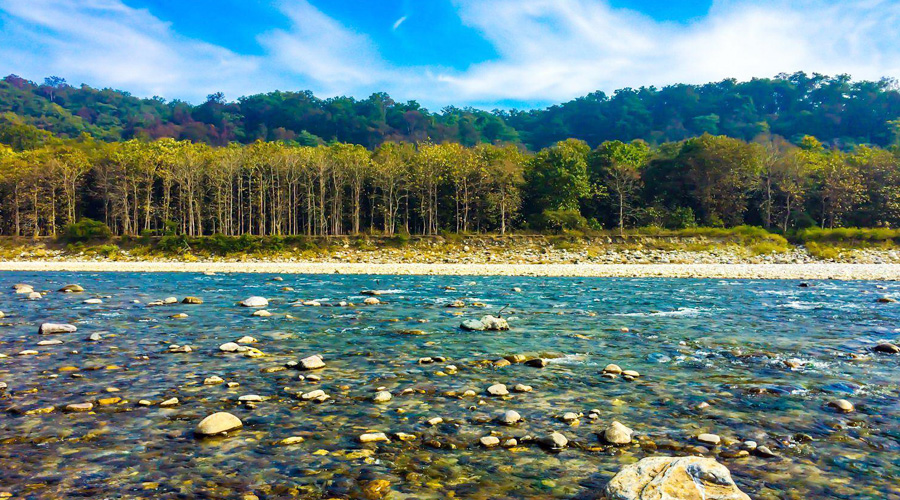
712,439
674,478
218,423
79,407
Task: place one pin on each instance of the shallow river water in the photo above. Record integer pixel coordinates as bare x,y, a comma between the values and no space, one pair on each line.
766,356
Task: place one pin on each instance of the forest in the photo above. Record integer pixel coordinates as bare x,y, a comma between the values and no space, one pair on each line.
147,167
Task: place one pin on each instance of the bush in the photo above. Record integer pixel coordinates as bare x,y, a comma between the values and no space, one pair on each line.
681,218
87,230
562,220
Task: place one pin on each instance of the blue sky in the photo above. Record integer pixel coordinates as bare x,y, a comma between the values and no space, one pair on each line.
485,53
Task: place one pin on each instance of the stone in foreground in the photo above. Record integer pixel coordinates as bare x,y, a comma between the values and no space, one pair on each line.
674,478
218,423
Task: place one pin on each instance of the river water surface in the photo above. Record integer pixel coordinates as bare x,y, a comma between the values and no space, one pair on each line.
766,356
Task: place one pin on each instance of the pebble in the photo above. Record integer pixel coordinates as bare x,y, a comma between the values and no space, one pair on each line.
316,395
94,337
169,402
489,441
262,313
510,417
291,440
555,441
215,379
712,439
522,388
79,407
373,437
570,417
435,421
71,289
841,405
49,342
314,362
230,347
192,300
371,301
498,390
255,302
382,397
218,423
246,340
617,433
250,398
612,368
48,328
93,301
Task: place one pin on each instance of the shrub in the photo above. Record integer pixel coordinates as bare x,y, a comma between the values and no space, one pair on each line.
87,230
562,220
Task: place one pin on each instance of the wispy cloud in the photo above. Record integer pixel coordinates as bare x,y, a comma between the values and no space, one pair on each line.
548,50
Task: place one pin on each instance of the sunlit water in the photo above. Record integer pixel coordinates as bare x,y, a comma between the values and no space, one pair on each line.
717,341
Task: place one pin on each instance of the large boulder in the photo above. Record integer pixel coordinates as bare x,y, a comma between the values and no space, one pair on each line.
674,478
255,302
218,423
48,328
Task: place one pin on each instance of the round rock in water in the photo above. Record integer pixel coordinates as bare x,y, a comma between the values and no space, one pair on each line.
255,302
218,423
674,478
71,289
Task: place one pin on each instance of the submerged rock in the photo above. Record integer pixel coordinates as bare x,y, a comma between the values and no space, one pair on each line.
674,478
555,441
48,328
218,423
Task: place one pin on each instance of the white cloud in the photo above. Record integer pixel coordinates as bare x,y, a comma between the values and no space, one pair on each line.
399,22
558,49
106,43
548,50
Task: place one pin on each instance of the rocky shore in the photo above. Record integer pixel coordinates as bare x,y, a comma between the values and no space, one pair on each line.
794,271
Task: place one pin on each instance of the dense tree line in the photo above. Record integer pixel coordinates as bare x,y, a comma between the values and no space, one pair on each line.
282,188
838,111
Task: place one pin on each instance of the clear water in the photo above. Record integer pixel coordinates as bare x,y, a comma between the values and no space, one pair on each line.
717,341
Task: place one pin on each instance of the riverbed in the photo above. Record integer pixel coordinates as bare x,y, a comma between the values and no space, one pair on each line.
751,361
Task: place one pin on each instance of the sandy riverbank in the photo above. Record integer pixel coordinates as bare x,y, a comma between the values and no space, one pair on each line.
807,271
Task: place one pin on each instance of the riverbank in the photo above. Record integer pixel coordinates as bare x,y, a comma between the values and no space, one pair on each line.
804,271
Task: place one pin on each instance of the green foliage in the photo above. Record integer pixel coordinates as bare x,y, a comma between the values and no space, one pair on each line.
561,220
87,230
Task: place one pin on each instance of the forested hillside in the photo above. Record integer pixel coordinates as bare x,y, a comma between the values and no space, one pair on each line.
836,110
784,154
